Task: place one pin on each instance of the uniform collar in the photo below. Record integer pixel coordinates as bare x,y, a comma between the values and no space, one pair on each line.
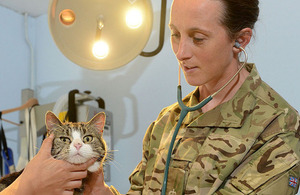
227,114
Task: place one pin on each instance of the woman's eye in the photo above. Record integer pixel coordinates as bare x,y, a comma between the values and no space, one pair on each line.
174,35
198,40
87,138
65,140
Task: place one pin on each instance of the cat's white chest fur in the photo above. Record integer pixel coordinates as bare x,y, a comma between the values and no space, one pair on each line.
81,152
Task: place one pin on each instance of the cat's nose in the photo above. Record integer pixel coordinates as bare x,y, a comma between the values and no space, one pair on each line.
77,145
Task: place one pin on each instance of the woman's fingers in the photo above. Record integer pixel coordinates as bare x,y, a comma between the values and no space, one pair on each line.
73,184
47,145
90,162
68,192
95,184
78,175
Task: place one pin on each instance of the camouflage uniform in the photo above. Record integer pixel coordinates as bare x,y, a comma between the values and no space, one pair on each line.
248,145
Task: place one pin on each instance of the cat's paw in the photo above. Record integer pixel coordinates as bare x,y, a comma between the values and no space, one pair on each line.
94,167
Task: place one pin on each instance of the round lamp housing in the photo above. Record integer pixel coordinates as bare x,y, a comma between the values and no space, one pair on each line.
100,34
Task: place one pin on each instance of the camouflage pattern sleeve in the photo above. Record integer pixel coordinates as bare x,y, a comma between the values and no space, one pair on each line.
138,177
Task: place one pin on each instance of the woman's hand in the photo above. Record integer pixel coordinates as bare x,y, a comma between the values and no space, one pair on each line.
46,175
95,184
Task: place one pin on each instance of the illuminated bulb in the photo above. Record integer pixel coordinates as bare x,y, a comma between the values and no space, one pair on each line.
67,17
134,18
100,50
100,22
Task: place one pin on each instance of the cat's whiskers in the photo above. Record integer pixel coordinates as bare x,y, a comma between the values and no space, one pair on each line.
110,154
110,160
114,163
111,151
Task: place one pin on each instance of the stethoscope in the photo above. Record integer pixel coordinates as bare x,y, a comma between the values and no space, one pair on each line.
185,109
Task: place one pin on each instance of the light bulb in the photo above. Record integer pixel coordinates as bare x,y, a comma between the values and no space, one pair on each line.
134,18
100,50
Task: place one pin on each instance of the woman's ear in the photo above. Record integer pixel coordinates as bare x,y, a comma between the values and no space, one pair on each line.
243,38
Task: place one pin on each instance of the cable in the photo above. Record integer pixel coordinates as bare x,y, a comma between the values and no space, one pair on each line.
32,63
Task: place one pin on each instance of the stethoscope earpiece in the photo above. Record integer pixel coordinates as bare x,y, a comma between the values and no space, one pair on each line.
237,44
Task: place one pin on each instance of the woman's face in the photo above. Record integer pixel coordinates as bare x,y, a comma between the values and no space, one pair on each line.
201,44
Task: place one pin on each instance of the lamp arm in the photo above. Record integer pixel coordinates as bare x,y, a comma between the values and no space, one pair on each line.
161,32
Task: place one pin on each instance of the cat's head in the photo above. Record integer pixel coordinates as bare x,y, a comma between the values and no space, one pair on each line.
78,142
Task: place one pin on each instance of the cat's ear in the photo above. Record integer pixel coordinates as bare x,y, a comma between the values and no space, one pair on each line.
52,122
98,121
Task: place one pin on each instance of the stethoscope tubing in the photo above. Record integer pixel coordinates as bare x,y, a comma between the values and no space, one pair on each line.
184,110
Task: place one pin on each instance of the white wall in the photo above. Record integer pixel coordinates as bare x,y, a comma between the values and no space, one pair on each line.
15,69
275,49
137,92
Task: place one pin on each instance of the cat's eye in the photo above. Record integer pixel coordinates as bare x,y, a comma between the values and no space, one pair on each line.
65,140
87,138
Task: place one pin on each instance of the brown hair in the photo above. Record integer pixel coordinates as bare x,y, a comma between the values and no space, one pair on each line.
239,14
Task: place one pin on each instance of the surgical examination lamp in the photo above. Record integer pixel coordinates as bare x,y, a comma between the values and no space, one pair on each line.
103,34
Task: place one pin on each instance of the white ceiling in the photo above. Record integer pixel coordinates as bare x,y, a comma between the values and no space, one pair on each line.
32,7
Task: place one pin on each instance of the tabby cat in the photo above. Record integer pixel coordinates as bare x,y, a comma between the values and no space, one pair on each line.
73,142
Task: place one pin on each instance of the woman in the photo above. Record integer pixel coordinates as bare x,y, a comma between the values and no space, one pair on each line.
244,141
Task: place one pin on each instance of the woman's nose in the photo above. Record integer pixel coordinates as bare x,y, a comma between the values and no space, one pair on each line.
183,51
